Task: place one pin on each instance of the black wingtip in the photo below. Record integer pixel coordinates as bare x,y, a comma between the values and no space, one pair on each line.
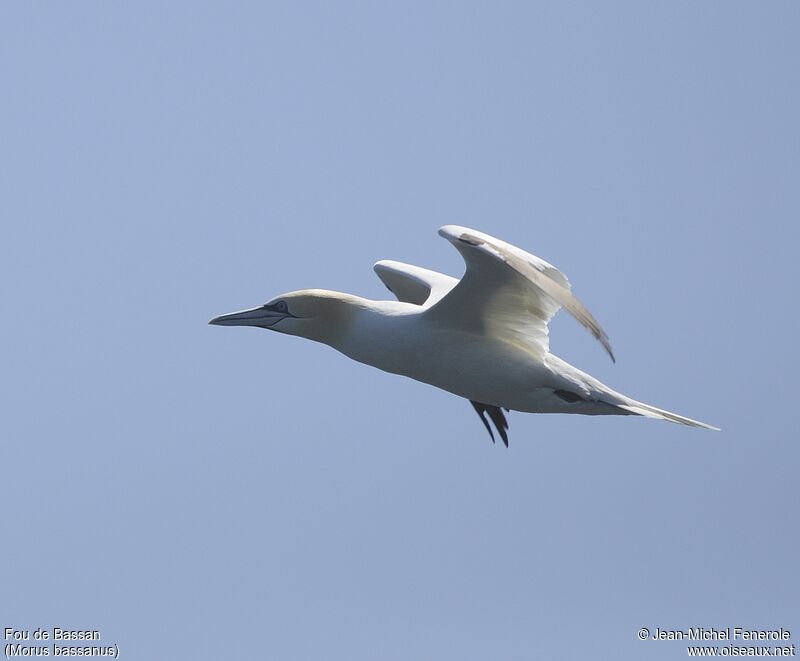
607,346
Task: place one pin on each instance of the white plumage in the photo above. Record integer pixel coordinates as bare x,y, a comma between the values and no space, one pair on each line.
484,337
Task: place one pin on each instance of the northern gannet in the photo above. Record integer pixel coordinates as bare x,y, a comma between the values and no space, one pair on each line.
484,337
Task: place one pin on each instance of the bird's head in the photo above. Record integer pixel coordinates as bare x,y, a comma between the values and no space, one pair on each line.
315,314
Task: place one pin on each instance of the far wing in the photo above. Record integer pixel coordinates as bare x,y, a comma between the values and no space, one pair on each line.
508,292
413,284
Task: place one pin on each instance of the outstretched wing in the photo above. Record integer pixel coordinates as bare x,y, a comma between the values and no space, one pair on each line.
507,292
413,284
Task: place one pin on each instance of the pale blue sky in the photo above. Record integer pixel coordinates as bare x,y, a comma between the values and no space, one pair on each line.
202,493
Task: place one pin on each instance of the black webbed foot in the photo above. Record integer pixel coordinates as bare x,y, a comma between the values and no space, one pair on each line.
497,416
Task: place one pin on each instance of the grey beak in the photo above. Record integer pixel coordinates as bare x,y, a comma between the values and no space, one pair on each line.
260,316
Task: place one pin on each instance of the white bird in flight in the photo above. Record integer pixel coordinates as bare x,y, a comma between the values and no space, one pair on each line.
484,337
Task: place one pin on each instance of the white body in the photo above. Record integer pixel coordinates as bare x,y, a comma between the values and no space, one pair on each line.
484,337
398,338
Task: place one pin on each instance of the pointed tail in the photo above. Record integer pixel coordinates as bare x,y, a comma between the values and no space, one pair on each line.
639,408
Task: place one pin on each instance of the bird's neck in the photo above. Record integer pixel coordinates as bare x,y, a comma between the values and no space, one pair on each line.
362,328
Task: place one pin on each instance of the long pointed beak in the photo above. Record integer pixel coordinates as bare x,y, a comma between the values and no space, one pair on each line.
260,316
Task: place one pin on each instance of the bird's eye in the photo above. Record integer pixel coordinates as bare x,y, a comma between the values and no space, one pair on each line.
281,307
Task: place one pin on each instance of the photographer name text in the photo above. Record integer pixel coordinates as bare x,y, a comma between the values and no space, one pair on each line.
726,633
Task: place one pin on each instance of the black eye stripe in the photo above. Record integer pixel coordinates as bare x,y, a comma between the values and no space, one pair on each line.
280,306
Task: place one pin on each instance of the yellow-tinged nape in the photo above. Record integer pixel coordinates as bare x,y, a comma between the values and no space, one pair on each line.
327,316
317,314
